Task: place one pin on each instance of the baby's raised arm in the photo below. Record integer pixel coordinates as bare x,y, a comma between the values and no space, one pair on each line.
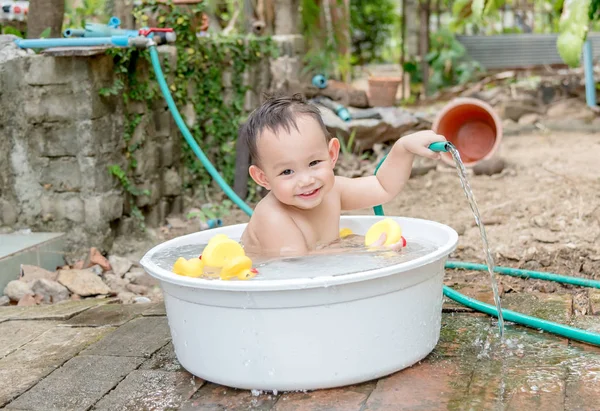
362,192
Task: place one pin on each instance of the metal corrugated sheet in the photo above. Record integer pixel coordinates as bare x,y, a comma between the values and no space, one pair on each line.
518,50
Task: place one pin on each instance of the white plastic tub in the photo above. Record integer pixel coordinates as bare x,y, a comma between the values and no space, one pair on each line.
308,333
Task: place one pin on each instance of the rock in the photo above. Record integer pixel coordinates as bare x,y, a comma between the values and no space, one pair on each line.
4,300
96,269
141,300
515,111
117,284
82,282
507,253
569,109
139,276
126,297
15,290
545,237
489,167
137,289
8,49
31,273
394,123
27,300
120,265
539,221
95,257
529,119
176,222
75,297
79,265
50,291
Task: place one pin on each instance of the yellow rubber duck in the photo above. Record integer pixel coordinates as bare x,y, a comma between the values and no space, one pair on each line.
239,267
219,250
386,226
222,258
345,232
194,267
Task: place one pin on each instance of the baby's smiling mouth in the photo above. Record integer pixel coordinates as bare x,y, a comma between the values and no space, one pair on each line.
309,193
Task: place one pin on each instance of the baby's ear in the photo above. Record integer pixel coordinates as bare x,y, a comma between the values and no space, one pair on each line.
259,177
334,150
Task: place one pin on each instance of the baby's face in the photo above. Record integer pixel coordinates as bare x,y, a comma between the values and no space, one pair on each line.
297,166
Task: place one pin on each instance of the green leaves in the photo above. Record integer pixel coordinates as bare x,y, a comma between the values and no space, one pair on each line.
573,29
477,8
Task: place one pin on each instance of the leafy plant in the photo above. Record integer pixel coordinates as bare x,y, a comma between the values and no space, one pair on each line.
211,211
573,26
372,22
197,78
130,188
12,31
448,63
77,13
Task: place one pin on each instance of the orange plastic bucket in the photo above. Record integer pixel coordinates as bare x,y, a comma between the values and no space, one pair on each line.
472,126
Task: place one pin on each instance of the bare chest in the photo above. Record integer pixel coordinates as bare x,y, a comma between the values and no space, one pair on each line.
321,225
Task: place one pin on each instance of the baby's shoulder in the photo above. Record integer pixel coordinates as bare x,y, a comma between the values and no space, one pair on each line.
271,213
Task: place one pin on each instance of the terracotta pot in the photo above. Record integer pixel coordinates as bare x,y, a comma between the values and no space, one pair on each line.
382,91
472,126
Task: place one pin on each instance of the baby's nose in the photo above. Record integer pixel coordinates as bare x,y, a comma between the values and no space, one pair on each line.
307,179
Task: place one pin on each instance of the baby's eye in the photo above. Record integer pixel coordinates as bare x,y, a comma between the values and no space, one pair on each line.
286,172
314,163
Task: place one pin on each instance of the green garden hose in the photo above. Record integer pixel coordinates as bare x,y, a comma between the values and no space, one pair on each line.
509,315
559,329
190,139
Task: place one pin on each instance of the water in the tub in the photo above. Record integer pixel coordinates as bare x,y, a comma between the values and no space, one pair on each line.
349,256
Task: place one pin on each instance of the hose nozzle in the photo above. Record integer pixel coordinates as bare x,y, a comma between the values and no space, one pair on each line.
440,146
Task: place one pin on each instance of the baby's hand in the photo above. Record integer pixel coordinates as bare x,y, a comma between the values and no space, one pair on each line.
381,241
419,142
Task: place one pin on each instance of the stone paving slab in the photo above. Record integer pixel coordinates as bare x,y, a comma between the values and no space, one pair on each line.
60,311
216,397
157,309
23,368
107,315
80,383
338,399
14,334
552,307
164,359
140,337
151,389
470,368
594,298
436,385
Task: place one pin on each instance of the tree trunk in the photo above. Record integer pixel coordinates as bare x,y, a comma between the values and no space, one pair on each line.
44,14
411,17
287,13
424,42
124,11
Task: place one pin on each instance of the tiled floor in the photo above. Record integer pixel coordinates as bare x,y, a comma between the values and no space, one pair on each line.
95,355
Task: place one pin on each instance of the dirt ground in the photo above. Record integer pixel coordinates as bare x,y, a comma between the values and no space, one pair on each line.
542,212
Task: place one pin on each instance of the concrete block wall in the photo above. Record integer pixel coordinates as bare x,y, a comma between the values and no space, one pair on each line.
58,137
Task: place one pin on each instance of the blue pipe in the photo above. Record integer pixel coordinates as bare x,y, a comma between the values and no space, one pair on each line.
319,81
119,41
588,65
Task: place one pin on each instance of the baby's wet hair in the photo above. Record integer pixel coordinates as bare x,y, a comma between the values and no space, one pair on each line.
278,111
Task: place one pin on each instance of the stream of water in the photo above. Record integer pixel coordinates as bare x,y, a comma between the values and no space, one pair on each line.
462,173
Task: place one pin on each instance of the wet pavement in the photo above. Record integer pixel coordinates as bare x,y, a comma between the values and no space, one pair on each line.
100,355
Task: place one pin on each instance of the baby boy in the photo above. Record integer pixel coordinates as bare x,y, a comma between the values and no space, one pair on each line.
293,156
